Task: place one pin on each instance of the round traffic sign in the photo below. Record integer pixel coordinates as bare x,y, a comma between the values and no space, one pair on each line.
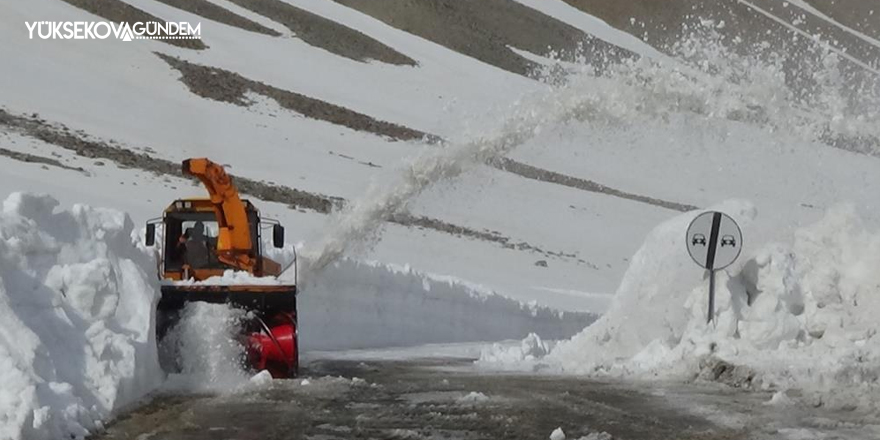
714,240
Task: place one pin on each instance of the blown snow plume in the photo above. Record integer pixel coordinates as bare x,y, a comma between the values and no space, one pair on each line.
706,78
204,346
76,318
358,224
802,89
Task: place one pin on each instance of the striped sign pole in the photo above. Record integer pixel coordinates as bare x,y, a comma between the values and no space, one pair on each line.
714,241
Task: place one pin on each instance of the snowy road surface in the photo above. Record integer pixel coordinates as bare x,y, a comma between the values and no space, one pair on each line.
344,398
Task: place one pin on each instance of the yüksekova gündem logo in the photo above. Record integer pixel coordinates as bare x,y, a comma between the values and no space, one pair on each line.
102,30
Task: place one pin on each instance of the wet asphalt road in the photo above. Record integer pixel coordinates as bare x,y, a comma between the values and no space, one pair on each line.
416,399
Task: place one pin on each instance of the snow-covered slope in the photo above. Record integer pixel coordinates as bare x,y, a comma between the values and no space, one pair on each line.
680,123
539,190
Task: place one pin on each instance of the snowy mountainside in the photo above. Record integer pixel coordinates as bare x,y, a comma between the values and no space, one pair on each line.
497,188
286,121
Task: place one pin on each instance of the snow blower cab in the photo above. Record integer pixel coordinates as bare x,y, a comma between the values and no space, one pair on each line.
203,240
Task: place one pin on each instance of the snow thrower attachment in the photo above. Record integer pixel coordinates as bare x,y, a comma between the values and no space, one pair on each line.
202,240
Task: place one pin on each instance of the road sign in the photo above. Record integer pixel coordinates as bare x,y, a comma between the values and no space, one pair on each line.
714,241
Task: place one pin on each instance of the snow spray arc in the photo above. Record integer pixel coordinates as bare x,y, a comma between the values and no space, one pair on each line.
714,241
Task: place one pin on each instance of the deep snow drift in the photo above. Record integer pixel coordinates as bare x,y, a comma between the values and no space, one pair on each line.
76,336
800,313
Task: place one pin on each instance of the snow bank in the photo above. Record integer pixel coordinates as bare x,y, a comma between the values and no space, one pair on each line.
528,352
652,304
352,304
798,315
76,297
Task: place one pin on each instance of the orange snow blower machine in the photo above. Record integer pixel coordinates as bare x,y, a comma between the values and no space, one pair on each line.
205,238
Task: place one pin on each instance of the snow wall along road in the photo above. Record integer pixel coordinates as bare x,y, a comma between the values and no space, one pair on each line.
76,338
366,305
78,291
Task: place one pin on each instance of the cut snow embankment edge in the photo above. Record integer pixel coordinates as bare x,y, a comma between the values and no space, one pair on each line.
378,305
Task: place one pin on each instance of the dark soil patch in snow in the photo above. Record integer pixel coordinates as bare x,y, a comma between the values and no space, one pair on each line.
80,143
326,34
214,12
347,157
490,236
225,86
662,24
861,15
32,158
530,172
809,23
717,370
121,12
83,146
483,29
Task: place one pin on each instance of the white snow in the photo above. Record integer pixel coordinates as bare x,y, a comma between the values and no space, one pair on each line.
529,351
230,277
76,303
204,345
380,305
593,26
557,434
457,350
779,398
795,314
261,379
473,397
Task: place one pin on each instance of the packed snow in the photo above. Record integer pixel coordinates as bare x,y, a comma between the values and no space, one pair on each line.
230,277
76,299
798,313
473,397
357,305
530,351
557,434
